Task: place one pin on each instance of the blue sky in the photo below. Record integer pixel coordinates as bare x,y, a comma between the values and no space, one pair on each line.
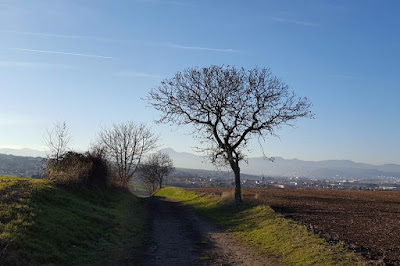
90,63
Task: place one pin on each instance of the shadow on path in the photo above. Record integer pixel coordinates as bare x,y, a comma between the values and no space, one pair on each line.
179,237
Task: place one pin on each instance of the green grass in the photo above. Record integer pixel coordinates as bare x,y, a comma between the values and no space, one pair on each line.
267,232
44,224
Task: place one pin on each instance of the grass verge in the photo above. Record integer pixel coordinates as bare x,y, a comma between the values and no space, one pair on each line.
44,224
269,233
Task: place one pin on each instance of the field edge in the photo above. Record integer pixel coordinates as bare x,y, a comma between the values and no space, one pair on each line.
269,233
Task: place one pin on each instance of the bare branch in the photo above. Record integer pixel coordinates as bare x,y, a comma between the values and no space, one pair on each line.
57,140
228,106
156,169
126,144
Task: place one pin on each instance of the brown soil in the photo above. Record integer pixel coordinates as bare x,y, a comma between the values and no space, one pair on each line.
180,237
367,222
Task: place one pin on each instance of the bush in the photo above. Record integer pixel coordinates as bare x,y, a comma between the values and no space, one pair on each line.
77,169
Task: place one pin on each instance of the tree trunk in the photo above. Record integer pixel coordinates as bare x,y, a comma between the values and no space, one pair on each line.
160,183
238,189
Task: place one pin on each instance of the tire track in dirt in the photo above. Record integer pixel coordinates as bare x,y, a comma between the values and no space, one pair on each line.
179,237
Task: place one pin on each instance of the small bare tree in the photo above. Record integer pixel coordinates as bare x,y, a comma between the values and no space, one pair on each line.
57,140
227,106
155,169
125,144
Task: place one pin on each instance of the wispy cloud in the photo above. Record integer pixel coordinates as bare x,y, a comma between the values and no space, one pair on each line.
68,36
63,53
178,46
295,22
174,3
345,76
103,39
45,34
133,74
24,64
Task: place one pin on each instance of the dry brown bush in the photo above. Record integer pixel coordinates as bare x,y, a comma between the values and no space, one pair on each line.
77,169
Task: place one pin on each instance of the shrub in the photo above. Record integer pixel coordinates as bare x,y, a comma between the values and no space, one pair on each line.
77,169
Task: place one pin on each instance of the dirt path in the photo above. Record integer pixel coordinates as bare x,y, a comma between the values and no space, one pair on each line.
179,237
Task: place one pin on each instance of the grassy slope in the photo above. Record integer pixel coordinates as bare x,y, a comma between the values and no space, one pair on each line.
44,224
267,231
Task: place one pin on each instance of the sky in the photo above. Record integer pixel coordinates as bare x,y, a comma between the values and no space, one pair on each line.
91,63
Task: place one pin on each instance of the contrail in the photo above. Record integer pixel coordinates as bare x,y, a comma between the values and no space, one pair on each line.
136,74
297,22
63,53
95,38
77,37
173,45
48,34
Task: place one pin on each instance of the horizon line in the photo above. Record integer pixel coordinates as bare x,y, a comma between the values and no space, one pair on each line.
14,147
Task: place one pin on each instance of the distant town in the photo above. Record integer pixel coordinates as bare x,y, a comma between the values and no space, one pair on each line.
34,166
202,178
21,166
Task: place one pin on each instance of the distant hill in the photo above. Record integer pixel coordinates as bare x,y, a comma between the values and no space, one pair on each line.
21,165
280,167
188,160
23,152
293,167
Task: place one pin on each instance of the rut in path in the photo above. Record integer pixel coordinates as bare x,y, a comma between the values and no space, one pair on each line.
179,237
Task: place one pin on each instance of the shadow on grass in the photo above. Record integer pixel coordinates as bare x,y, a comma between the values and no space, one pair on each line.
54,225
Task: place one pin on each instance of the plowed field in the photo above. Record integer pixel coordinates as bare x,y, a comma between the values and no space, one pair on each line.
367,222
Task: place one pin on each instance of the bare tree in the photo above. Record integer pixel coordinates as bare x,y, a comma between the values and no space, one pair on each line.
227,106
125,144
98,149
57,140
155,169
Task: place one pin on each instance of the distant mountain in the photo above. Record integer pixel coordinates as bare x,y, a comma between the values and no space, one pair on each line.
320,169
188,160
23,152
328,169
293,167
395,168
